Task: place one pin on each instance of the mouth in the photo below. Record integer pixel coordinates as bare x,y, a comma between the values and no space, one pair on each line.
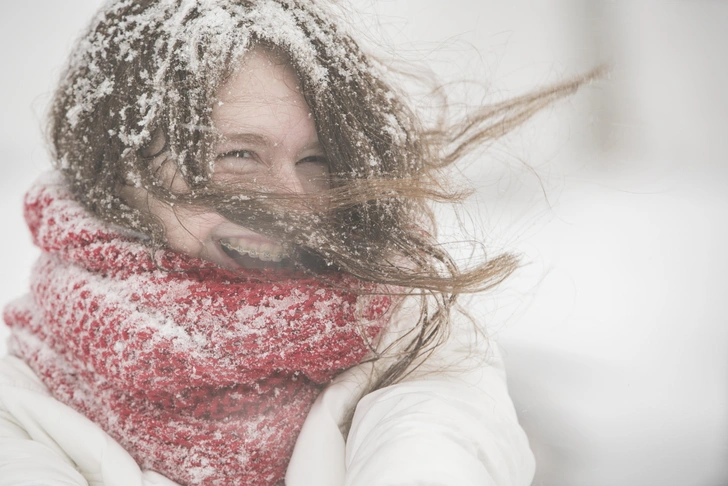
255,255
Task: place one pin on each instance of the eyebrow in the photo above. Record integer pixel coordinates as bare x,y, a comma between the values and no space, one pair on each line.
262,140
251,138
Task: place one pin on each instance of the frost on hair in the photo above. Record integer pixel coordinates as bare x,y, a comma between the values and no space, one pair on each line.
191,37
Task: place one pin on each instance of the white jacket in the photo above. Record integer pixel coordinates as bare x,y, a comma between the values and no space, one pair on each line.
450,423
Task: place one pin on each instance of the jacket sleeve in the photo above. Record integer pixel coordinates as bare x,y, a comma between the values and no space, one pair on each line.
45,443
452,423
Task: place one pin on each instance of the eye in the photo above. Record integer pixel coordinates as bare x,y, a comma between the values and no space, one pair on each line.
314,159
236,162
238,154
316,163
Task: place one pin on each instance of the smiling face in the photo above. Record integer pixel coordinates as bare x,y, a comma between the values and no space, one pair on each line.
268,143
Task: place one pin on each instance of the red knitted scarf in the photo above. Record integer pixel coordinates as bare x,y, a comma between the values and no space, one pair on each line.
202,374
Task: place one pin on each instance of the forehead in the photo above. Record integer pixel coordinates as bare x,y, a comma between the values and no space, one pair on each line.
263,89
261,76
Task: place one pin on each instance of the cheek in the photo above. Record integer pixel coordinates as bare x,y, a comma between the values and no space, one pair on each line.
188,231
314,177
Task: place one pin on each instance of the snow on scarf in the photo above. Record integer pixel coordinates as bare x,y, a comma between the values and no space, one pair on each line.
202,374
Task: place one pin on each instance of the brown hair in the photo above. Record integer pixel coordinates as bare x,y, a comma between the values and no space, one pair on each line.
148,67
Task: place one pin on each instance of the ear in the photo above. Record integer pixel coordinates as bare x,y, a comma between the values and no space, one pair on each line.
156,145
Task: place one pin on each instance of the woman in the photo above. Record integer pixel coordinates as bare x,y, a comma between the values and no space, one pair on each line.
239,253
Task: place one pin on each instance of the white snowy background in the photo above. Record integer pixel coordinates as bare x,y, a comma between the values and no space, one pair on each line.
616,329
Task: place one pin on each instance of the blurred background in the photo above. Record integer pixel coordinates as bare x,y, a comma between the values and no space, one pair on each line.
615,331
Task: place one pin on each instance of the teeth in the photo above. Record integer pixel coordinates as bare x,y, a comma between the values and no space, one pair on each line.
267,252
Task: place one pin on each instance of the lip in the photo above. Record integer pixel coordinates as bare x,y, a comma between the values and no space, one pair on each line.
245,262
250,263
233,231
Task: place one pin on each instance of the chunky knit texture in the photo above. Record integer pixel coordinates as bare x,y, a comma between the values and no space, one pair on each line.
202,374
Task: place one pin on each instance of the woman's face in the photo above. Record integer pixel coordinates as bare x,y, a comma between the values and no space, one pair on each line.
269,143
